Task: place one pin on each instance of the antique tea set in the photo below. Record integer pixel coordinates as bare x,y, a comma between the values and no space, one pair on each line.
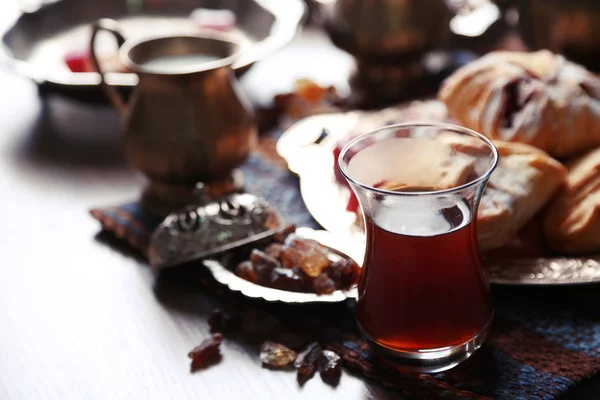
187,127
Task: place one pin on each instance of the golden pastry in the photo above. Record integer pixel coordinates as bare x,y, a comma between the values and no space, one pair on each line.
536,98
523,182
529,242
572,220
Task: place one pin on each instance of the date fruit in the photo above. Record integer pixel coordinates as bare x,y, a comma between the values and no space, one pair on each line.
308,362
330,368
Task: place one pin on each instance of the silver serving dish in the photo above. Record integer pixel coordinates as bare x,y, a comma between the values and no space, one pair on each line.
326,200
35,44
340,246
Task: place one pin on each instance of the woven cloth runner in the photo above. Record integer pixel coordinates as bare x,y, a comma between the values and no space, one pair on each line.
543,340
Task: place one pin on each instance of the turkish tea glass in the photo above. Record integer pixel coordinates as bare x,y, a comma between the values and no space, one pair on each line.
423,296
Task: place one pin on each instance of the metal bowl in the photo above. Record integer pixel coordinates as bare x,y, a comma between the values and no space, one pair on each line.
35,44
339,246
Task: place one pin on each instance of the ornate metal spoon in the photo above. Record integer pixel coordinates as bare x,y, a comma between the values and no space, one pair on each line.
212,227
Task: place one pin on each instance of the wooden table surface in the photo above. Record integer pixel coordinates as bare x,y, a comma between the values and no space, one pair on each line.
81,320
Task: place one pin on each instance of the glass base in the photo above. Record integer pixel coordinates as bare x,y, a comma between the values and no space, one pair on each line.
431,360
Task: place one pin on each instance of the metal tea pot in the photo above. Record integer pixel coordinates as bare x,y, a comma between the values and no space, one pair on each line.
186,121
388,31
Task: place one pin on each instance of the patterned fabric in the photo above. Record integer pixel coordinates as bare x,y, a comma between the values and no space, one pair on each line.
543,341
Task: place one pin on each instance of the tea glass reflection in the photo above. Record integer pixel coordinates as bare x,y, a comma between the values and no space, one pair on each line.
423,296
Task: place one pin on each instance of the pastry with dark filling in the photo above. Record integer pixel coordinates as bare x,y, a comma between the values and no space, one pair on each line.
538,98
572,220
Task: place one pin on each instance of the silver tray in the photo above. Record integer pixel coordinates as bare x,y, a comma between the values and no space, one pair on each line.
326,200
35,43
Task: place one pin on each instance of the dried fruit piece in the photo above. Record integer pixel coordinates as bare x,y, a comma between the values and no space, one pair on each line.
260,258
245,270
206,353
263,264
286,279
352,277
344,272
307,99
330,368
307,363
310,91
323,284
306,280
275,250
308,254
276,356
335,270
299,265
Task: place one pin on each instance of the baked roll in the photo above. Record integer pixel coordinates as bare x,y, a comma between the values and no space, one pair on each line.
523,182
536,98
572,220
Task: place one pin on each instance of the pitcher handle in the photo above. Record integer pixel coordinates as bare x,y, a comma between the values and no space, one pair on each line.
112,93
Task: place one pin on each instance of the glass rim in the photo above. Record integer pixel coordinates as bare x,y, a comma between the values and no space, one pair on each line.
441,125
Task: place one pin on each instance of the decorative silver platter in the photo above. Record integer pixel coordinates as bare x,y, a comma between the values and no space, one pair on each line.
35,43
309,154
339,246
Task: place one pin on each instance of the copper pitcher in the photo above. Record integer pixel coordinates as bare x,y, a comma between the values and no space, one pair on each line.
186,121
